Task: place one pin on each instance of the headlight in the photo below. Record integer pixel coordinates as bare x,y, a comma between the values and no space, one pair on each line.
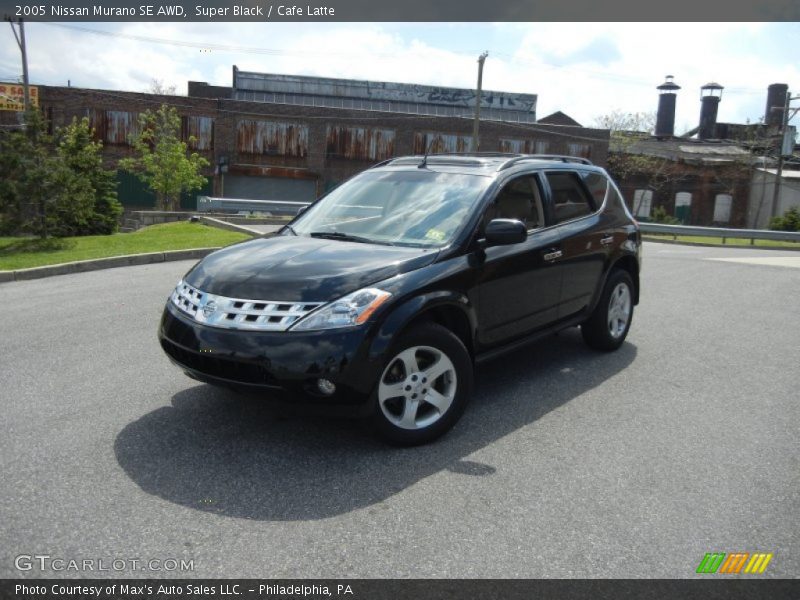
353,309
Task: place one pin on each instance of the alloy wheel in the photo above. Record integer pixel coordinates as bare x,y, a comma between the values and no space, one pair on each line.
417,387
619,310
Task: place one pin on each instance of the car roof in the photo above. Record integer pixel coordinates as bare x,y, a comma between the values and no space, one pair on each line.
483,162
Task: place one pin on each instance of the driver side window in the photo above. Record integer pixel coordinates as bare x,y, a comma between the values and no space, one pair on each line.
518,199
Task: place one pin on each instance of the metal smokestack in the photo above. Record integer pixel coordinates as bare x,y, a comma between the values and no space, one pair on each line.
776,97
710,95
665,118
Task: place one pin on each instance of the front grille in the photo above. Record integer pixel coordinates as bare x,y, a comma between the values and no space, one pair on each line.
223,368
238,313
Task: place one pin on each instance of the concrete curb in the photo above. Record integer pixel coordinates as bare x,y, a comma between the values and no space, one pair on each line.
220,224
81,266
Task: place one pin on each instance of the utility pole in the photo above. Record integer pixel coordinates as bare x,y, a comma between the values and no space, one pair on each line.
475,139
776,189
21,43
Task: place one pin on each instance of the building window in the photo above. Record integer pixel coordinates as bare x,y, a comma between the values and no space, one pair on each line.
642,203
436,143
582,150
359,143
524,146
199,128
722,208
270,137
683,206
115,127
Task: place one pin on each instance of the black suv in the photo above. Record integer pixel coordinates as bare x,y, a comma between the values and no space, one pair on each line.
385,292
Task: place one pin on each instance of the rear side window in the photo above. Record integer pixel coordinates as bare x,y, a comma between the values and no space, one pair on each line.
570,200
597,184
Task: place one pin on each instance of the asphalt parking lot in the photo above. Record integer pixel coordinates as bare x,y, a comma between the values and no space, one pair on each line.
568,463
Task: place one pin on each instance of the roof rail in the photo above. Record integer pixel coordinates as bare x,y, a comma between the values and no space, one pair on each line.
453,155
523,157
383,162
479,154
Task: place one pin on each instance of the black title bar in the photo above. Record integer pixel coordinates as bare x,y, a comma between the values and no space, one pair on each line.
407,10
414,589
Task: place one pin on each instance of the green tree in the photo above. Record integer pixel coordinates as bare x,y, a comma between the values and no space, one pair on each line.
624,160
790,221
83,156
164,162
39,193
628,163
620,121
660,215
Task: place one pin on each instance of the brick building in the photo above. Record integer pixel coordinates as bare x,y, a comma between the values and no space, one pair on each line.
706,176
293,138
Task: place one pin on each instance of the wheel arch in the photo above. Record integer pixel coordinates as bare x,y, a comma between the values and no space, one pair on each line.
451,310
629,264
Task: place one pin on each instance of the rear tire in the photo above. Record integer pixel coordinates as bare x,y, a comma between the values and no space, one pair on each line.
423,388
608,326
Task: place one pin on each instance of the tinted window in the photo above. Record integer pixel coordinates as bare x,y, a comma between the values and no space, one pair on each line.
570,199
519,199
597,184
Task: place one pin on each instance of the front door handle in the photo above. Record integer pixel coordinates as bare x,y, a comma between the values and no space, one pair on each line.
553,254
605,241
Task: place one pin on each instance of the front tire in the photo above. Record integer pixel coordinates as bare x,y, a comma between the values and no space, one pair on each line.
423,388
608,326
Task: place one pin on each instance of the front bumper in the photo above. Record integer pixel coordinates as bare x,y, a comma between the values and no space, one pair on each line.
274,361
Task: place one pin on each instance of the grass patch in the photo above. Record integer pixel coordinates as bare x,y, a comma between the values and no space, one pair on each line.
717,241
21,253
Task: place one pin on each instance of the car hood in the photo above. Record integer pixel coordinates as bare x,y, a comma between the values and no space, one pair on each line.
302,269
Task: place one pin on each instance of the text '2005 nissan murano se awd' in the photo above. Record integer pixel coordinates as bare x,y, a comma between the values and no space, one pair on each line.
385,292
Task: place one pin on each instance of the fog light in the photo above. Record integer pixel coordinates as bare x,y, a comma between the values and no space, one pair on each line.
326,386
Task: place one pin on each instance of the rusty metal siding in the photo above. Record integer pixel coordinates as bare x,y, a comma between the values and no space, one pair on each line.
359,143
435,143
524,146
199,128
121,126
97,122
114,126
272,137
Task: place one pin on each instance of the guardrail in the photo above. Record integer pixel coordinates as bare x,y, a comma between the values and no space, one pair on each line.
721,232
275,207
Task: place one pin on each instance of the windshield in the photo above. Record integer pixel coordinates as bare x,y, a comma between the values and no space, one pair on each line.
413,208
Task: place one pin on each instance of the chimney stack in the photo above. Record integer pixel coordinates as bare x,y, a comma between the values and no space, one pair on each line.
776,97
665,118
710,95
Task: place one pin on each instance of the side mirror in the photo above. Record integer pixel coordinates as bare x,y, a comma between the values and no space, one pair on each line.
503,232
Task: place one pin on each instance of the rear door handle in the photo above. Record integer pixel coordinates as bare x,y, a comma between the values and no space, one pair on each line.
553,254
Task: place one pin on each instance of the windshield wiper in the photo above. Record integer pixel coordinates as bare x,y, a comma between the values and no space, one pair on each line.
345,237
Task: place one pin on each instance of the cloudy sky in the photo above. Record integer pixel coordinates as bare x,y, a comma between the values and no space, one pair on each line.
583,69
